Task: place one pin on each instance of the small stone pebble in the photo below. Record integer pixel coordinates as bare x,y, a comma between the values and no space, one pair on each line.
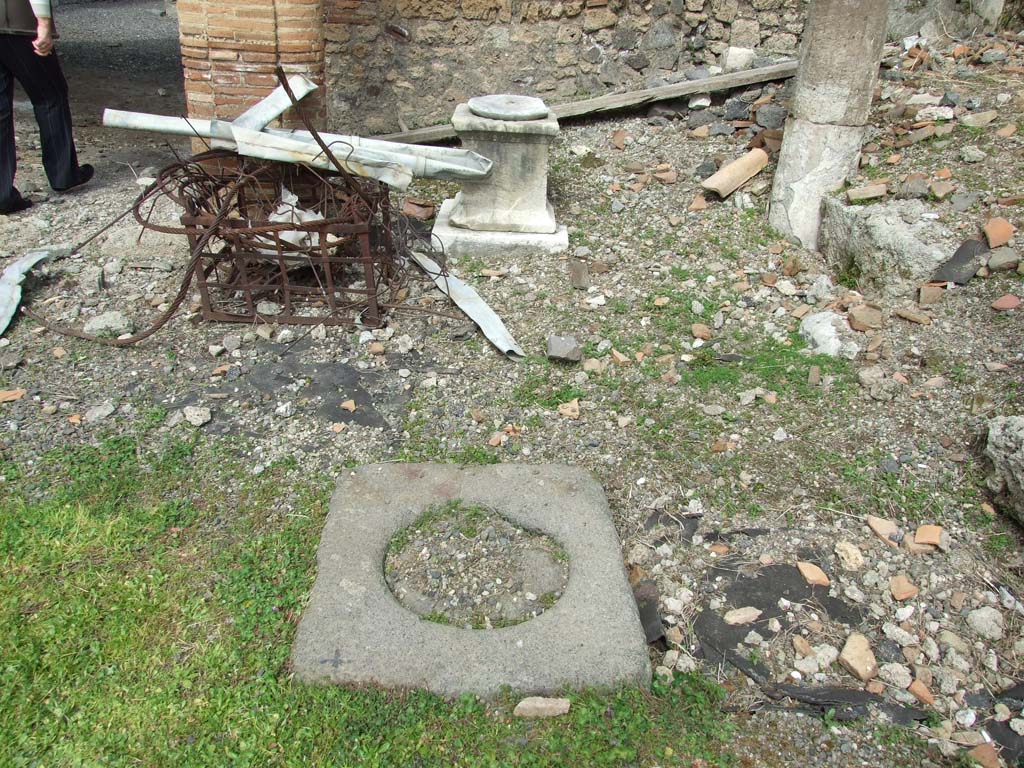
197,416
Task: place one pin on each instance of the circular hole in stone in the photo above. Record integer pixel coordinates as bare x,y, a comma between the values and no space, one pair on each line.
468,566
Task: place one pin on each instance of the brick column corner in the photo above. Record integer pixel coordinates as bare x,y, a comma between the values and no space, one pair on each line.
230,50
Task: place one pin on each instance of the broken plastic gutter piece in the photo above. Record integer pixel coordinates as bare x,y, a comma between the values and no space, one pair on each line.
10,284
469,301
428,162
359,162
268,109
442,163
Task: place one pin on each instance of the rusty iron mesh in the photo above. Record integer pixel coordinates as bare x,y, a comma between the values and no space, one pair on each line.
359,270
344,267
347,265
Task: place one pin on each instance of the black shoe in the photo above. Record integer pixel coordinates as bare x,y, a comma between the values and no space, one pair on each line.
23,204
85,174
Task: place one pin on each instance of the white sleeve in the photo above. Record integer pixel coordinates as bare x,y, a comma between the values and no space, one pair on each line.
41,8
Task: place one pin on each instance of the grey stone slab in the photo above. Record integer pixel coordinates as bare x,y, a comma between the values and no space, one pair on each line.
564,348
736,109
701,117
892,244
579,274
507,106
1003,259
964,201
963,264
772,116
353,631
465,121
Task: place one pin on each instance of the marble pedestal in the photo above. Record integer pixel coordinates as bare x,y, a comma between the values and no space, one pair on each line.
509,210
513,198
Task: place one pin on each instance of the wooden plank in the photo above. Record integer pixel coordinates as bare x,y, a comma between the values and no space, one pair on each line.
624,100
422,135
674,91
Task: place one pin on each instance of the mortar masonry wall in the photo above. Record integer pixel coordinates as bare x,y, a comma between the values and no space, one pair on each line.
395,63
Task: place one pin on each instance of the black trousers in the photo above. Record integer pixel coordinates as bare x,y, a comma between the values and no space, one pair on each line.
47,89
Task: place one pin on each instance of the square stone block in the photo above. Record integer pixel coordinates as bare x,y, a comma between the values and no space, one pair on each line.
513,198
354,631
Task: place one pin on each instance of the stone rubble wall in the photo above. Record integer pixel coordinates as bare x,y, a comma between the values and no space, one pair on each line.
395,64
935,18
408,63
1012,14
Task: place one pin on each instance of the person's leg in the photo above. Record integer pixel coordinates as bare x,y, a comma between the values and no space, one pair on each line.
44,83
10,198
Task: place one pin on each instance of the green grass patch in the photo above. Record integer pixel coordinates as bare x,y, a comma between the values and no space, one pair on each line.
466,517
705,372
148,602
424,445
470,266
427,448
863,485
538,390
849,276
783,368
901,739
436,617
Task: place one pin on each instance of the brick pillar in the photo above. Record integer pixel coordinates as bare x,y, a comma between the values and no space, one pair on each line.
230,49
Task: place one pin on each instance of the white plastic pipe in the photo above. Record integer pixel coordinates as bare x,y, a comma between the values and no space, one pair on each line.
423,161
360,162
260,115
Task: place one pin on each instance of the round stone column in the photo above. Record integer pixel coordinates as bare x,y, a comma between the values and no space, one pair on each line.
230,51
842,45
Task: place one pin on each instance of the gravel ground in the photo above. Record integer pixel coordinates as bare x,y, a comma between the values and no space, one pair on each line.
122,55
737,449
473,568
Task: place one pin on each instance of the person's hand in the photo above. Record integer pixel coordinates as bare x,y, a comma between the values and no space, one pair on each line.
43,44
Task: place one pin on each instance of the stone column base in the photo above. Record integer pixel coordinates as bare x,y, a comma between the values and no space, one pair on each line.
815,160
510,220
354,632
488,245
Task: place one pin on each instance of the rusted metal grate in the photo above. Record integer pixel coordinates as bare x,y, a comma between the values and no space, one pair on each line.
338,269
